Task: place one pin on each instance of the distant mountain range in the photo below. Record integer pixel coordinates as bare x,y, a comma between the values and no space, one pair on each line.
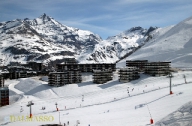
117,47
44,39
172,43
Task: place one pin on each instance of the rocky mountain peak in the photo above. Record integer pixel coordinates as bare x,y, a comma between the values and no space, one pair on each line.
45,17
44,39
135,29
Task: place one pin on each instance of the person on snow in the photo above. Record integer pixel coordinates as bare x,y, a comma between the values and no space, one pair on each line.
21,110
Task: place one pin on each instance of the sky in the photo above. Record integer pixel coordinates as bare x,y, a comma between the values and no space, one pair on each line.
102,17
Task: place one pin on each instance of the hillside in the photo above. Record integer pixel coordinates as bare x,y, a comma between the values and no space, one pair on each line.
44,39
103,104
172,43
116,47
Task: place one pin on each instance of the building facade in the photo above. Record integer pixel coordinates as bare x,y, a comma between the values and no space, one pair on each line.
102,76
140,64
151,68
35,66
62,78
128,74
1,80
86,67
157,68
4,96
16,72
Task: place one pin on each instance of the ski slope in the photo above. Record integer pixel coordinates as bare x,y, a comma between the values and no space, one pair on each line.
99,104
173,43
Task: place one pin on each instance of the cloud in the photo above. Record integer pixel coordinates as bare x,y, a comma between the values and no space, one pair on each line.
102,31
95,18
106,17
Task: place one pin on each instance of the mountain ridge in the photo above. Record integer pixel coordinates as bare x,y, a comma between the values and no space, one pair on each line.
173,43
44,39
41,36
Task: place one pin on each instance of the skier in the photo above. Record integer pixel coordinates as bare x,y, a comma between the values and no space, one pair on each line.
82,98
68,123
64,124
128,92
21,110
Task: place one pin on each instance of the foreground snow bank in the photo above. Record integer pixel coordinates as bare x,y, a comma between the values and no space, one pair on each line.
27,84
181,117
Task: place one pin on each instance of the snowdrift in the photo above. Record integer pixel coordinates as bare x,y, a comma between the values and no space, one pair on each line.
181,117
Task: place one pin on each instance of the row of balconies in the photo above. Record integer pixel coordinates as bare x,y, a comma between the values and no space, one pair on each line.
63,75
128,73
129,76
156,71
100,81
133,77
61,78
57,80
85,67
1,81
102,76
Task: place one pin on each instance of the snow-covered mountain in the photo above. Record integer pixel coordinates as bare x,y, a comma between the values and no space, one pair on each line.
173,43
46,40
117,47
42,39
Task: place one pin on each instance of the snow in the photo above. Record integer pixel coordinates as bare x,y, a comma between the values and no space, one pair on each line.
44,78
102,104
12,24
43,35
84,34
106,104
168,44
181,117
115,47
47,36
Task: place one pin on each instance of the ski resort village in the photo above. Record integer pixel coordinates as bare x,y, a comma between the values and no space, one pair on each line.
55,75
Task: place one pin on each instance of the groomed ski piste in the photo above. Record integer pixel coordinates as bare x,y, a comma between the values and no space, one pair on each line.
107,104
